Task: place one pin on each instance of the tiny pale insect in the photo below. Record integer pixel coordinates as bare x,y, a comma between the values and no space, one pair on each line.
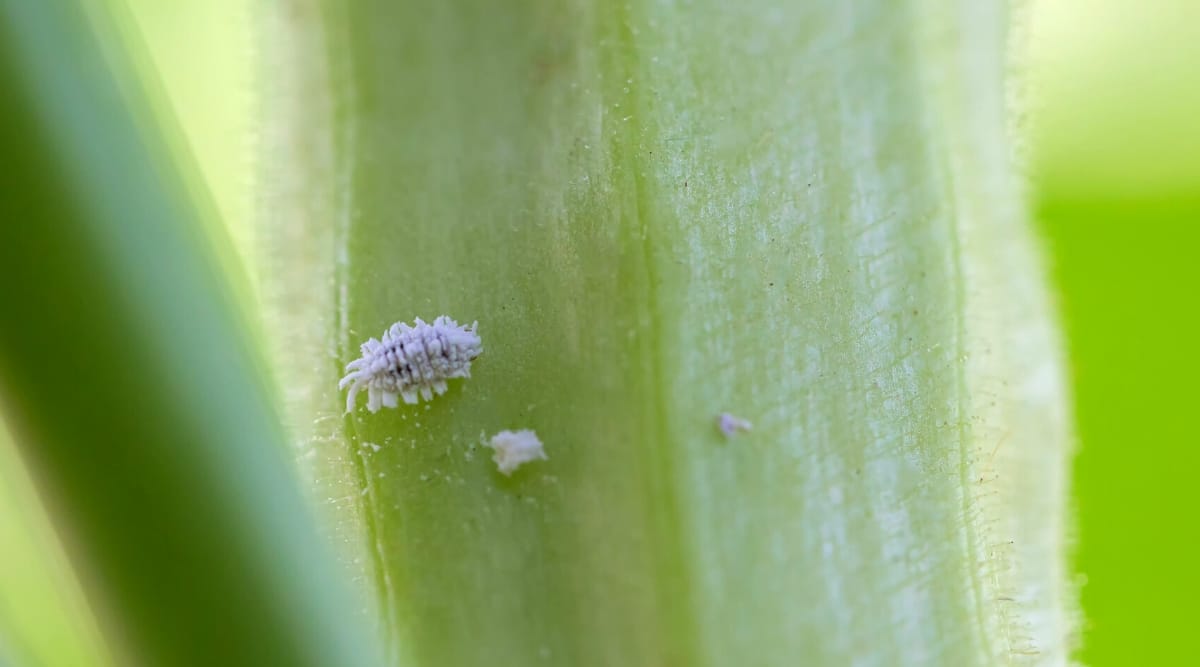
411,362
731,425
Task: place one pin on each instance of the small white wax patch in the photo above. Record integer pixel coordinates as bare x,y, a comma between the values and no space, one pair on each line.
514,449
731,425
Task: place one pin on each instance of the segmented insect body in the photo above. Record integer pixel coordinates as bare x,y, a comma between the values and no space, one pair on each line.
411,362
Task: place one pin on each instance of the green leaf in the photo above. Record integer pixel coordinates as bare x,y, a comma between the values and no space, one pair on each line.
130,381
803,214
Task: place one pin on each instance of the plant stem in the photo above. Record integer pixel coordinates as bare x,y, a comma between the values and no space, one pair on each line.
803,214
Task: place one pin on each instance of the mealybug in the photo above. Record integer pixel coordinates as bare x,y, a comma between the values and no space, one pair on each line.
731,425
411,362
514,449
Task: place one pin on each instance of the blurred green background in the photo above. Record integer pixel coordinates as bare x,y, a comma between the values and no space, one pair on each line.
1111,140
1115,145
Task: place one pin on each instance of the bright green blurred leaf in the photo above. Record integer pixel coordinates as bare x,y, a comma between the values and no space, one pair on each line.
1115,103
43,618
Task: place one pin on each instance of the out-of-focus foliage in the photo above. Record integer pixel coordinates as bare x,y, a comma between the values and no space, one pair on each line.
44,620
1116,144
1115,105
131,388
203,56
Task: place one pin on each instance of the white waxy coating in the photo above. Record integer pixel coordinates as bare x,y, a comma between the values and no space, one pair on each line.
411,362
515,449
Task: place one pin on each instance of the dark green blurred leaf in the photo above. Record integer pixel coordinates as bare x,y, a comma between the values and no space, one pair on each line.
129,380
